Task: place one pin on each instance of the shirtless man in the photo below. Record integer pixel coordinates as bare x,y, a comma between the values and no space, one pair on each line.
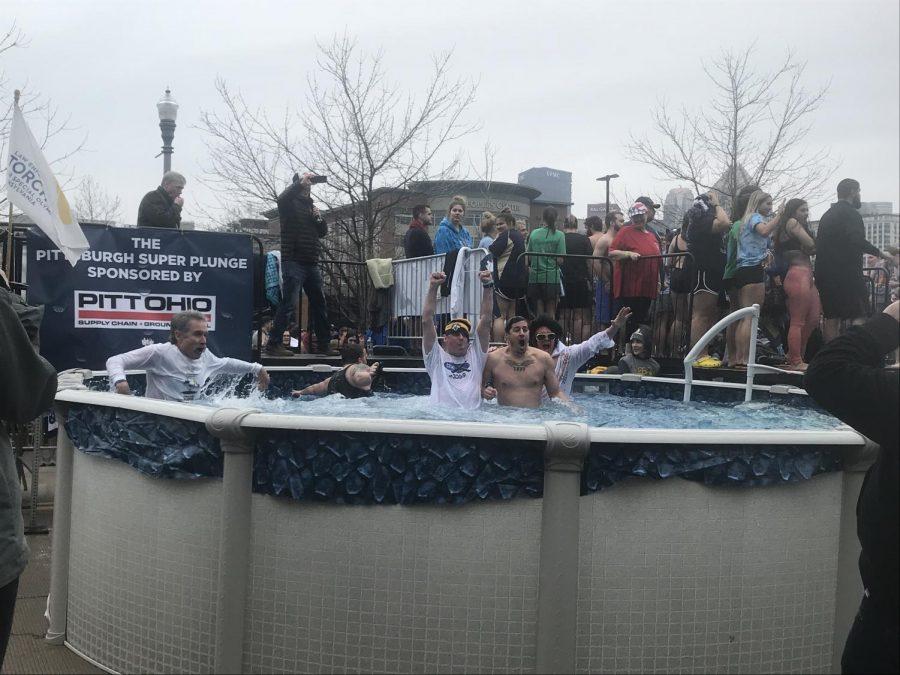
601,270
517,374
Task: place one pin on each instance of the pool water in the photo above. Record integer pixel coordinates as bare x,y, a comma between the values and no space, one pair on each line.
596,410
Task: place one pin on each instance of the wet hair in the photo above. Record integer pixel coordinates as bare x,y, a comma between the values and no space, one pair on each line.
593,224
457,200
181,321
507,218
846,187
351,353
512,321
549,217
740,202
571,222
549,322
610,219
419,210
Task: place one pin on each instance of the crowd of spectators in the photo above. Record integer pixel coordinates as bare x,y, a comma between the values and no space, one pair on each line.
679,283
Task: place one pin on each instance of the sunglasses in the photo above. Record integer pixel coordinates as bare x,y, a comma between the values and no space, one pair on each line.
545,337
456,331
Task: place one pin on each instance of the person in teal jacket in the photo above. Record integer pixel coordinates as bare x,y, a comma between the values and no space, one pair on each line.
451,234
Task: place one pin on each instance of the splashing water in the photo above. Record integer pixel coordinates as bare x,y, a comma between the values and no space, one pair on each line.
596,410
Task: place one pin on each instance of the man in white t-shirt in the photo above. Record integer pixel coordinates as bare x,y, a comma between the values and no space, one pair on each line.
455,368
177,370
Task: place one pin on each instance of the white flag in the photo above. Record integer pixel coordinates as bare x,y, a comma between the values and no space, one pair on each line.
30,185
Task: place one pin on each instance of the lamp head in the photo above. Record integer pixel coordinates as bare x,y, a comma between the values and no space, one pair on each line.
167,107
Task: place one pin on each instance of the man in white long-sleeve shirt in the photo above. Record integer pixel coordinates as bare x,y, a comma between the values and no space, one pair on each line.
178,369
569,358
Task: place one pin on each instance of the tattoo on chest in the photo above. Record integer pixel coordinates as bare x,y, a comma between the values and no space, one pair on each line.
519,366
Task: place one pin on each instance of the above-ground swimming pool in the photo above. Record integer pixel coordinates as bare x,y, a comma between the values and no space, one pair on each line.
277,535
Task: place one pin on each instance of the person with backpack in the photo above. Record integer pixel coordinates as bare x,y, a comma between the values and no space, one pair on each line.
705,225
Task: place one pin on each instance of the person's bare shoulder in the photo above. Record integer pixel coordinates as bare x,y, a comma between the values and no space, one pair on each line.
541,356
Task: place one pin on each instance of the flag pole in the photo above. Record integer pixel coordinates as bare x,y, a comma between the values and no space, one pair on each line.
9,224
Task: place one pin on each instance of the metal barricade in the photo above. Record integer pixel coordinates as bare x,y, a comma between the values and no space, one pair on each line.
347,289
878,284
668,315
411,280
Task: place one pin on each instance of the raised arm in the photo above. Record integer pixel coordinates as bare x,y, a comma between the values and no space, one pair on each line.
483,328
429,334
807,243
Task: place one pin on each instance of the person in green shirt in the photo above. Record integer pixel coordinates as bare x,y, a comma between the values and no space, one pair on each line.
543,277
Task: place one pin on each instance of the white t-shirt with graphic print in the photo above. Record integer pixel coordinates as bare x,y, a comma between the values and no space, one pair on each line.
456,380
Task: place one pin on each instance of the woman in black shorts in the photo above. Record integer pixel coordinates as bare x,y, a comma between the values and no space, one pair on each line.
705,225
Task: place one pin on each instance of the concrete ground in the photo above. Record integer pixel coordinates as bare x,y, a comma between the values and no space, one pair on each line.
27,651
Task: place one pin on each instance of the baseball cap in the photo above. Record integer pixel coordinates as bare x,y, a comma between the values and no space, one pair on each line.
646,201
459,326
639,209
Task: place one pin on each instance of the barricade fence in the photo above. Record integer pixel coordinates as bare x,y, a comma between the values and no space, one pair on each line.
878,284
586,300
459,297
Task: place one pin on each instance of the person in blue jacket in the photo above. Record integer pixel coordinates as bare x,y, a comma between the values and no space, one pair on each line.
451,234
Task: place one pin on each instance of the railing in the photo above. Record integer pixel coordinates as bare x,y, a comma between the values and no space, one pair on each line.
753,313
668,315
878,281
411,280
347,289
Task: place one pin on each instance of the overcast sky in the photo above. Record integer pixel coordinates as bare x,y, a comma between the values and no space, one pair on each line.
562,84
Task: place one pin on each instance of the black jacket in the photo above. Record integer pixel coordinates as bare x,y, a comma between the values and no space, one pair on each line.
158,209
300,229
847,379
840,244
417,243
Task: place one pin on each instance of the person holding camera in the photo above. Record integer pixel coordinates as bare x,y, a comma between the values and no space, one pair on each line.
302,227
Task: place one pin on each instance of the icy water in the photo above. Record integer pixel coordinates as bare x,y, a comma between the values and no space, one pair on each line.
597,410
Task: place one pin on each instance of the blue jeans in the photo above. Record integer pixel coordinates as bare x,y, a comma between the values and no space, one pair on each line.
295,276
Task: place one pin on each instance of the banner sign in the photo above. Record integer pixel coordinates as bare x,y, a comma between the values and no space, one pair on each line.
125,289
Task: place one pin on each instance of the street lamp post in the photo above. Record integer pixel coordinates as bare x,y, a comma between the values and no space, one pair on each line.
607,178
168,111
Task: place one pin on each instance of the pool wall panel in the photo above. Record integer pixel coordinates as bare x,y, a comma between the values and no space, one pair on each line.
144,567
392,589
676,576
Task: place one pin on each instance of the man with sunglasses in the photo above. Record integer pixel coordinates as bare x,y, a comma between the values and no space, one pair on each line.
569,358
455,368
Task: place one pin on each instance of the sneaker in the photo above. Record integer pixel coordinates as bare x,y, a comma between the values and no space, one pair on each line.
278,350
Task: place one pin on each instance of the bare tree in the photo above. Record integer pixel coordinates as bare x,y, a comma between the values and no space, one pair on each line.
95,204
371,139
44,118
247,166
751,131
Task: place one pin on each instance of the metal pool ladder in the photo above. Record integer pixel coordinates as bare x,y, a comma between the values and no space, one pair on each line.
752,366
